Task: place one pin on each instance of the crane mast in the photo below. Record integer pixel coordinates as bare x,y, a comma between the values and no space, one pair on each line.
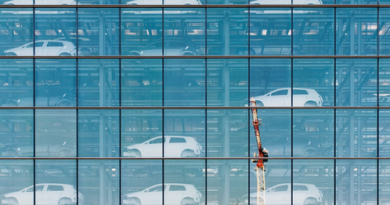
260,169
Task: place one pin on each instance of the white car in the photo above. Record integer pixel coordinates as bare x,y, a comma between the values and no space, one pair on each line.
44,48
45,194
282,97
174,194
166,2
174,146
304,194
41,2
303,2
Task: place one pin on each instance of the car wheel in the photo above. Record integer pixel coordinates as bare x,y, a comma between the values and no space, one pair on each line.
63,153
187,201
65,54
310,201
135,153
13,201
134,201
188,54
64,201
10,54
188,153
308,153
311,104
64,104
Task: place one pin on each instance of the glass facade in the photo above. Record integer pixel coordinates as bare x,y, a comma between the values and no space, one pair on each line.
146,102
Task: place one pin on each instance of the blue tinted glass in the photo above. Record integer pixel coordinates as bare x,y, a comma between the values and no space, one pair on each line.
55,82
17,180
313,133
384,134
356,181
275,132
227,82
384,174
98,82
17,2
141,31
143,2
360,39
356,1
384,82
16,133
227,31
356,83
313,31
227,133
98,133
384,34
223,1
58,123
141,82
313,82
311,2
141,133
184,82
16,82
100,2
53,2
99,37
55,182
184,133
227,181
184,31
184,182
141,182
315,177
270,82
268,37
98,182
57,38
18,33
356,134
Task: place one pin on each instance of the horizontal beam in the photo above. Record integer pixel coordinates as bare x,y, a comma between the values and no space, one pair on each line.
186,158
189,108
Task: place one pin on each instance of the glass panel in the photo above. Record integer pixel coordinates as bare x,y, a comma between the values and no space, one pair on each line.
61,173
313,31
184,31
98,181
16,177
141,133
16,133
313,133
188,125
100,36
184,82
356,1
311,2
141,30
55,82
94,2
184,181
356,82
98,82
384,133
384,34
270,30
141,82
60,32
356,133
58,123
227,82
275,132
384,82
227,181
227,31
141,182
313,83
359,39
313,182
384,185
227,133
17,2
98,133
356,181
54,2
224,1
268,77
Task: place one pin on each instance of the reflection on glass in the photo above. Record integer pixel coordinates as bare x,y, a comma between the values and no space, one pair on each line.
267,77
313,182
141,182
55,133
141,133
227,133
184,182
356,2
55,83
184,132
141,82
313,82
313,31
361,37
313,133
98,181
51,39
98,82
94,2
384,82
356,181
384,133
166,2
18,2
384,185
225,1
356,83
99,37
227,82
54,2
384,34
141,31
16,133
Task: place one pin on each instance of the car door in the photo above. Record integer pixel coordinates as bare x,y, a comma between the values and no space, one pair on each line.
39,47
300,97
277,195
53,194
152,196
26,196
174,146
278,98
26,50
174,195
299,193
53,48
152,148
